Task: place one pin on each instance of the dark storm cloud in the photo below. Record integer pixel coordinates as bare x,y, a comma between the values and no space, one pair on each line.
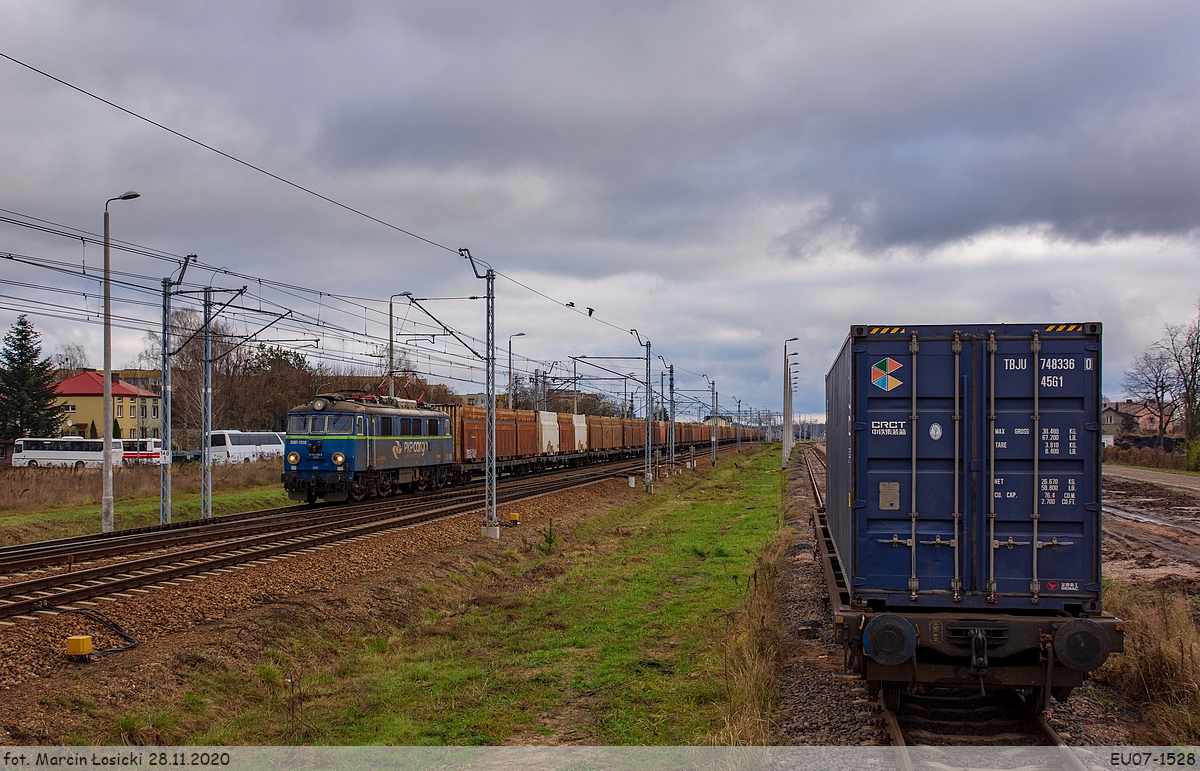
916,127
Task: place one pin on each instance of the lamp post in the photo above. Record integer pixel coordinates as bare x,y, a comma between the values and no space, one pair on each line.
106,500
510,368
787,402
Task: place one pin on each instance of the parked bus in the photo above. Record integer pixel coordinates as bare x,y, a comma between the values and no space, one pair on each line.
143,451
73,452
242,447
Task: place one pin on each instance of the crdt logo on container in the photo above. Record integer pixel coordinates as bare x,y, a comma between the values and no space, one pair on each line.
881,374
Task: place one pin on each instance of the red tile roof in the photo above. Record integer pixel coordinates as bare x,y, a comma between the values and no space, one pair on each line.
91,383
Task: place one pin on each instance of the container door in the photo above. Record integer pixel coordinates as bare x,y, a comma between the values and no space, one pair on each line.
1040,471
910,530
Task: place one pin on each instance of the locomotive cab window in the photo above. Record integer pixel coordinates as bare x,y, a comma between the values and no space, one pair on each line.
433,427
339,424
359,426
297,424
317,424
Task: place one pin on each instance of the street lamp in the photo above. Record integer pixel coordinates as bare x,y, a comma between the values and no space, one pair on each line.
510,368
786,428
106,500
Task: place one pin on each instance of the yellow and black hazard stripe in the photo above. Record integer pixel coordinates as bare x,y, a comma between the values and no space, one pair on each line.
1065,328
887,330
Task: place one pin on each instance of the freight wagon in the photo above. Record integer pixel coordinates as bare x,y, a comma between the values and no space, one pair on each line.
355,446
961,534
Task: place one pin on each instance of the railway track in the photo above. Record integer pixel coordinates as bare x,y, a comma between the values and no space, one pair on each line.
943,717
50,595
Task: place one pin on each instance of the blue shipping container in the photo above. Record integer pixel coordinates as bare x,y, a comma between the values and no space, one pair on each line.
964,466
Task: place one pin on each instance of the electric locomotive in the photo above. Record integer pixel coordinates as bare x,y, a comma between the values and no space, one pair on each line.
351,446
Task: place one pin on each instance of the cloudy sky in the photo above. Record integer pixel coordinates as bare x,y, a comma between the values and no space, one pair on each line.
719,176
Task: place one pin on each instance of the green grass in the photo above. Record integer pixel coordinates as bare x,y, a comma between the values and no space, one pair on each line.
27,526
614,634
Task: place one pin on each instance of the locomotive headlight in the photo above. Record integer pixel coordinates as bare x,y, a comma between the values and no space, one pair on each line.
293,458
338,459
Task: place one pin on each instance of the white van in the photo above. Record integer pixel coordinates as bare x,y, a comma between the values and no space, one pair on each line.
232,446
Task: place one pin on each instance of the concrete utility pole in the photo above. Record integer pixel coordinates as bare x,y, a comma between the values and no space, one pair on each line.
786,428
206,463
106,499
392,344
574,388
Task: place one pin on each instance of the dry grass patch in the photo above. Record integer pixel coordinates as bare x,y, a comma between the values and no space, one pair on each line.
1161,663
35,489
749,654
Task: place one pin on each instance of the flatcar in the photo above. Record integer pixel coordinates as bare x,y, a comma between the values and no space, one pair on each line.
351,446
961,531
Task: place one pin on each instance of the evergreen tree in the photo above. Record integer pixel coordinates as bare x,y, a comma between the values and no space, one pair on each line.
27,398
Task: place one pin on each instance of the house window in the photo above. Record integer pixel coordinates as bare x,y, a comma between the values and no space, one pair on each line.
143,433
1108,419
154,434
120,411
143,411
154,411
70,407
120,398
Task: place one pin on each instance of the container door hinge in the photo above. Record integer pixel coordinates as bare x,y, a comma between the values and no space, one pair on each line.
1091,426
860,426
1091,507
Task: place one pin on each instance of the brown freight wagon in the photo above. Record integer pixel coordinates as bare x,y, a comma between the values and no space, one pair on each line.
609,433
516,433
566,433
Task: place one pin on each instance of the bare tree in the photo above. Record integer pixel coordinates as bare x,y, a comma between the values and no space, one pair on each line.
1182,345
1151,382
71,359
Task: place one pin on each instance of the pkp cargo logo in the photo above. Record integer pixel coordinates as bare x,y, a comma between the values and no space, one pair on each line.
881,374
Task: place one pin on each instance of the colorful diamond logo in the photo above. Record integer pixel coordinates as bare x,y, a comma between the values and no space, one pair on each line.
881,374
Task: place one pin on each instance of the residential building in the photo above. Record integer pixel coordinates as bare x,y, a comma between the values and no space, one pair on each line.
1115,418
136,411
148,379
